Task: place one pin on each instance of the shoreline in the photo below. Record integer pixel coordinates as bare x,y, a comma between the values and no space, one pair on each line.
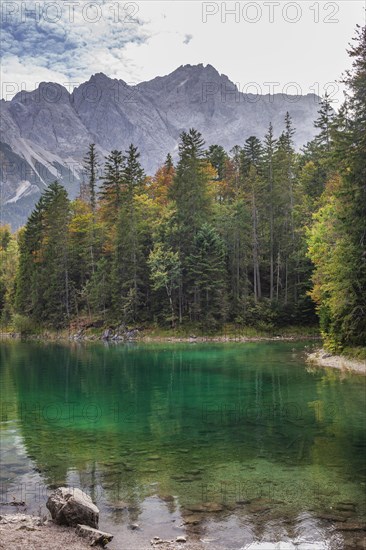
42,533
319,357
151,338
36,533
324,359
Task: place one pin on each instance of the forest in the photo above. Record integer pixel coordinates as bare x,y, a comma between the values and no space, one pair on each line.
261,235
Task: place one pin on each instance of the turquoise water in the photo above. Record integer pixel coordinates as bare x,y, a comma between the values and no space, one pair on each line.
156,433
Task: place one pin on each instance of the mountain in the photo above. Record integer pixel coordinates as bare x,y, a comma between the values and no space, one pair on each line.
46,132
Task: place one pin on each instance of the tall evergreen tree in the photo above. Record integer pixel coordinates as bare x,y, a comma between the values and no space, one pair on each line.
111,188
191,195
217,156
128,261
269,148
91,172
324,123
251,155
207,271
43,280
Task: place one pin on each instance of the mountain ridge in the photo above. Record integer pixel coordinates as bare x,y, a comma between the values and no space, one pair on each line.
46,131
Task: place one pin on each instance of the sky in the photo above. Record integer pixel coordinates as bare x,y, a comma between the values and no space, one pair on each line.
262,46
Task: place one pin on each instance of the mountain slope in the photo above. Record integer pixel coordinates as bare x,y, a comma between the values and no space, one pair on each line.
45,133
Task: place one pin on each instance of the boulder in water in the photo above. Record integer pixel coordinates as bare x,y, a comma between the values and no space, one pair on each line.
70,506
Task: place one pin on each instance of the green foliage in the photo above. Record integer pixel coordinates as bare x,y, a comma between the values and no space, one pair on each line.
91,172
9,257
165,273
241,237
337,244
25,326
43,286
207,275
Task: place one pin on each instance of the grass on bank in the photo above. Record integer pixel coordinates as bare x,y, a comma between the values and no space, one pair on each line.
94,329
358,353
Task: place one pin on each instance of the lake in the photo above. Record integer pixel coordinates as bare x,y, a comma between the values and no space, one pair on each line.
233,444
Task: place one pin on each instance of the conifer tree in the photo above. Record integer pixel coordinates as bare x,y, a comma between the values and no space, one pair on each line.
128,261
91,172
111,188
217,157
43,285
207,271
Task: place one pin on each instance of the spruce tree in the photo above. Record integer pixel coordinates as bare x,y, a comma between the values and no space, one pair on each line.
324,123
217,157
128,261
111,188
190,193
43,284
208,277
91,172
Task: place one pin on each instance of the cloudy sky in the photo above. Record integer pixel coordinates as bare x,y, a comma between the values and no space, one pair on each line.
262,46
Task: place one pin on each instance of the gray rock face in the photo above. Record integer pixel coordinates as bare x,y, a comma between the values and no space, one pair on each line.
94,536
46,132
71,506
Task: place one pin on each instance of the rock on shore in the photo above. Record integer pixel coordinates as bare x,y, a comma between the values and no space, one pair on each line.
71,506
324,359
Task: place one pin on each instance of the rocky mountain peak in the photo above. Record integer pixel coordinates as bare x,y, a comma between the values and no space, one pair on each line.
45,93
47,131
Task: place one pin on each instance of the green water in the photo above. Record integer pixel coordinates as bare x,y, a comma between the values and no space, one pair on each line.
150,431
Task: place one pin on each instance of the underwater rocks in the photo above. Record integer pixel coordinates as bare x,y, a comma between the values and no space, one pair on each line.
94,536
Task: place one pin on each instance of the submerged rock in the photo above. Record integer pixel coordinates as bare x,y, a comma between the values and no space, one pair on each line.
166,498
70,506
192,520
208,507
93,535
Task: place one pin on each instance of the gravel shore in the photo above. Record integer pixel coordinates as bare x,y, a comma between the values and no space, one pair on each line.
23,531
324,359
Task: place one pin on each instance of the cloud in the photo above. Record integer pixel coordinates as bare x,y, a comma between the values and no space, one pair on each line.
71,39
67,44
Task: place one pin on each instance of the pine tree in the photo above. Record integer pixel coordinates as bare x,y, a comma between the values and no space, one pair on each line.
324,123
91,172
28,297
207,271
251,155
55,269
111,188
217,157
189,189
269,148
284,172
43,290
133,175
168,164
128,261
190,193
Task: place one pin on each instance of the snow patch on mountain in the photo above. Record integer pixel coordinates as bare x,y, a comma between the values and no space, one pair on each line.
25,189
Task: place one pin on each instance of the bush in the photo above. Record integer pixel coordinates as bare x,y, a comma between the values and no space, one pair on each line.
24,325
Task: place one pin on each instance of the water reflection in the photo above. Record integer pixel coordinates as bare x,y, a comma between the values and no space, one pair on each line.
221,441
